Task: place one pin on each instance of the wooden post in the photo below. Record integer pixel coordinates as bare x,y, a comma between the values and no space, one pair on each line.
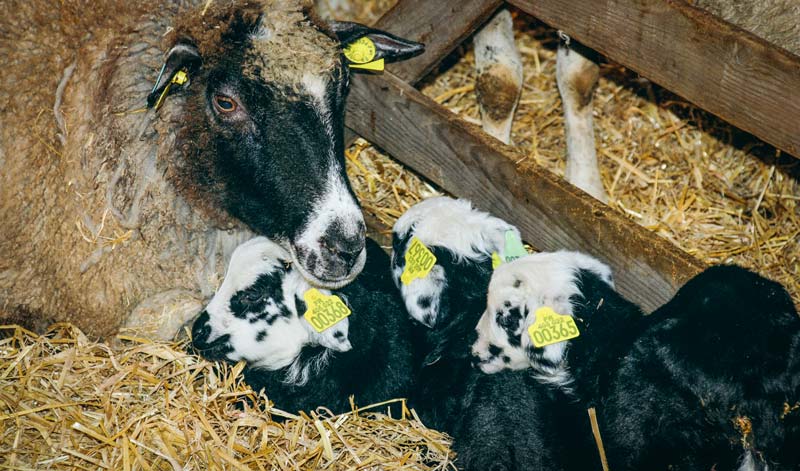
441,25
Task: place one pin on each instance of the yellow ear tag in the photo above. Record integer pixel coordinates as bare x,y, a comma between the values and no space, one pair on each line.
496,260
361,54
377,65
551,327
419,261
179,78
360,51
323,311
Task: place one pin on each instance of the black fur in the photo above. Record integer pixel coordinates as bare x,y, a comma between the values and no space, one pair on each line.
506,421
509,421
381,364
670,388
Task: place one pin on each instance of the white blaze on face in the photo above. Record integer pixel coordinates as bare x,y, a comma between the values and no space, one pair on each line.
338,207
517,290
335,208
453,225
284,337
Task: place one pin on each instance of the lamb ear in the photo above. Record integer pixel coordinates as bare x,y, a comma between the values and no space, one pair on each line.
182,57
387,46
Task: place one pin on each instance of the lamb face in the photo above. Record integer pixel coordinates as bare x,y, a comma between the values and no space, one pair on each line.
264,137
517,290
254,315
442,224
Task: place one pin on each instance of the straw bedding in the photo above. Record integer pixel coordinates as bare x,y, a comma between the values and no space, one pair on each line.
68,403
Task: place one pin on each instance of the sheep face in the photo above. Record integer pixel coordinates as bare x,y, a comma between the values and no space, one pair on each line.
262,135
256,315
516,291
463,240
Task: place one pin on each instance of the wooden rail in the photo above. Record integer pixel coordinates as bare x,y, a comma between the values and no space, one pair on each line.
723,69
550,213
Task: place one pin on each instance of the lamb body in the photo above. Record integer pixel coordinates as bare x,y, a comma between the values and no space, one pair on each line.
292,362
504,421
673,390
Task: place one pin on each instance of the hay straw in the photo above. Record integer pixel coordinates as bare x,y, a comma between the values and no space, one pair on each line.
68,403
713,191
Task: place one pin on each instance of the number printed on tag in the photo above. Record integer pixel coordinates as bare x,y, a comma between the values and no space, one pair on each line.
551,327
323,311
419,261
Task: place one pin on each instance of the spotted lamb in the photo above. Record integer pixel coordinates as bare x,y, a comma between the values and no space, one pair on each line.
500,421
708,381
258,316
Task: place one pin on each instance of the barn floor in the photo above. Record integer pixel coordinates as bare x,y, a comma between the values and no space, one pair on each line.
712,190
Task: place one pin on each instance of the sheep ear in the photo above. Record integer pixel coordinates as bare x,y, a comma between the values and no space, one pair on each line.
363,45
183,57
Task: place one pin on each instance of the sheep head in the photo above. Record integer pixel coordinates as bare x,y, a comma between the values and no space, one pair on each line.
262,128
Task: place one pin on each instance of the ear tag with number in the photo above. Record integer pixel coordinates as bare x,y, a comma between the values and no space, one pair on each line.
419,261
324,310
512,251
361,55
514,248
551,327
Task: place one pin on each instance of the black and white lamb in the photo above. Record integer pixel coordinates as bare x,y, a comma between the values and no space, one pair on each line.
257,316
708,381
499,421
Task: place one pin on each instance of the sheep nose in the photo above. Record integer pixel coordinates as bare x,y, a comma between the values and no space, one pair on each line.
344,247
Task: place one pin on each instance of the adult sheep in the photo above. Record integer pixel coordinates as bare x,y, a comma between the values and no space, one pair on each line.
117,217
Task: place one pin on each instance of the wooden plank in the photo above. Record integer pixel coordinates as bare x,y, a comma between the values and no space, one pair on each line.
550,213
721,68
441,25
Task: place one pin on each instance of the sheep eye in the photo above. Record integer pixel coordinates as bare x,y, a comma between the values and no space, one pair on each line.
224,104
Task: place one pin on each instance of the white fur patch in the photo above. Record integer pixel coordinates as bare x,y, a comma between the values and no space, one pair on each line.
527,284
317,88
456,226
285,336
453,225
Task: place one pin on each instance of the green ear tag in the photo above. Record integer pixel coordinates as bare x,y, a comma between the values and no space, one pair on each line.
514,248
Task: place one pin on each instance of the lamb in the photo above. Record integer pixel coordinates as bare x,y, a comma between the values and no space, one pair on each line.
257,317
708,381
503,421
257,302
122,207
